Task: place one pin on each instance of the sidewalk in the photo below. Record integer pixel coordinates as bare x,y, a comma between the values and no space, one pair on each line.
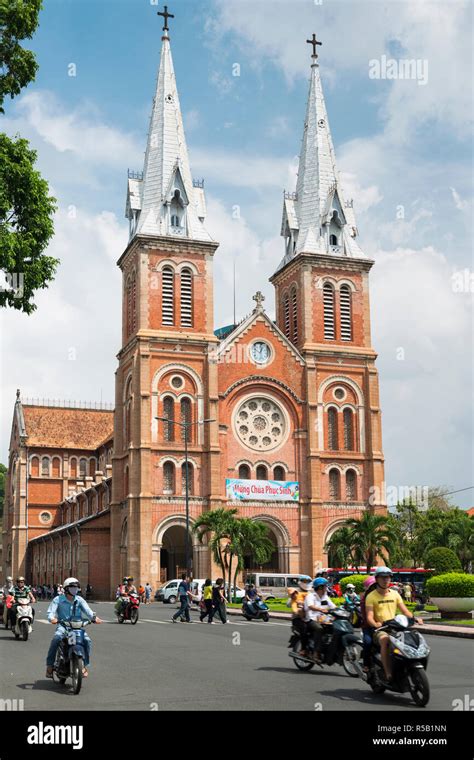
434,629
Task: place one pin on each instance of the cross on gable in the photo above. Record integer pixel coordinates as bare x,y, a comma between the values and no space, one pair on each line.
314,42
166,16
259,299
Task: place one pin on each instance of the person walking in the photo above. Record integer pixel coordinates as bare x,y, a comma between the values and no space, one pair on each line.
207,602
183,593
148,590
219,600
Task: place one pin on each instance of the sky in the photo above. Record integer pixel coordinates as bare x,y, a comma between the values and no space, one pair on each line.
402,138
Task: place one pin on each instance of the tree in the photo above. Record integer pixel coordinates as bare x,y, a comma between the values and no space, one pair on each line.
406,532
18,67
442,560
217,526
26,224
249,536
26,208
340,547
461,540
370,538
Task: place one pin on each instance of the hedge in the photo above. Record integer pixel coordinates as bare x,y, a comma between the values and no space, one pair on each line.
442,560
451,584
357,580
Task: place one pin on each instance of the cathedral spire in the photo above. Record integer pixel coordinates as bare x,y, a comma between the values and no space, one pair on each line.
164,200
316,219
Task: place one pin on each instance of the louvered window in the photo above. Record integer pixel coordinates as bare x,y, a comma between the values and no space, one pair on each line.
294,314
168,477
134,304
279,473
83,468
328,301
262,473
168,412
186,298
286,315
346,312
186,417
190,478
348,419
351,485
168,296
244,472
333,444
334,483
45,466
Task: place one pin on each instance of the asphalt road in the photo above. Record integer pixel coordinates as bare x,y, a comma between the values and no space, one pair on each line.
157,665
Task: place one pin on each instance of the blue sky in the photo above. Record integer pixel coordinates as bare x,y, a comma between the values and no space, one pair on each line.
400,145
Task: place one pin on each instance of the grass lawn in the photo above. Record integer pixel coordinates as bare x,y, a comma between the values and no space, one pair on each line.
443,621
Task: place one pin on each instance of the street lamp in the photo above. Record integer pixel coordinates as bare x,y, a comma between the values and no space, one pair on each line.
185,426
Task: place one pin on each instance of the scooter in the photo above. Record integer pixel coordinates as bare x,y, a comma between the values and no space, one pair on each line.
24,619
340,645
409,653
69,660
255,610
129,609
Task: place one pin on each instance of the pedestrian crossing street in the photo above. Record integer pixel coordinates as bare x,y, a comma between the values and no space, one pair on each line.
231,621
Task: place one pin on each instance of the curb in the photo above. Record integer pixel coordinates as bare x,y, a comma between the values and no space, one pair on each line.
464,633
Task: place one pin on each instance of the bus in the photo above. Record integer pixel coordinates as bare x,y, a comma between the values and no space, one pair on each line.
415,575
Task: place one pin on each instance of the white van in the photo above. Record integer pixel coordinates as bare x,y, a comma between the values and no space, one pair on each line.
168,593
275,585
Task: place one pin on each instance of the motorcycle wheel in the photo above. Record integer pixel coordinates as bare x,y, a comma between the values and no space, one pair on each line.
301,664
77,666
375,685
24,630
419,686
120,619
134,617
351,655
266,617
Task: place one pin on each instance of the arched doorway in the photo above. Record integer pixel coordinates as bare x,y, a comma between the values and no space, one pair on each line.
279,560
173,553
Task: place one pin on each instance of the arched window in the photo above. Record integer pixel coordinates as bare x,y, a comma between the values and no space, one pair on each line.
125,482
168,412
168,478
334,485
262,472
83,468
34,467
328,305
56,467
333,443
73,467
332,240
286,315
45,466
186,298
128,307
279,473
177,211
351,485
345,302
186,417
128,413
244,472
167,307
190,478
348,420
294,316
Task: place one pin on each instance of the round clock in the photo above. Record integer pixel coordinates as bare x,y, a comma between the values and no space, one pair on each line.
260,352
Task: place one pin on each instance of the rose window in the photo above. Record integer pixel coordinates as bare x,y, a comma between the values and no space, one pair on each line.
260,424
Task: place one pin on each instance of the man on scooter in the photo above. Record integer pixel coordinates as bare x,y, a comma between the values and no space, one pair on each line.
68,606
381,605
316,605
297,597
20,591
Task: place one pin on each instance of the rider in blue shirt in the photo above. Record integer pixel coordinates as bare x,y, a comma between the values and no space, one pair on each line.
68,606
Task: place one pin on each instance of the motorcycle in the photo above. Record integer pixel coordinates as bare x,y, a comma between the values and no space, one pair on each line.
339,644
255,610
129,609
409,654
355,614
69,660
24,619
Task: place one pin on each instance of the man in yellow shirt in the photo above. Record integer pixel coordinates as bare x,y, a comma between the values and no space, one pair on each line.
382,605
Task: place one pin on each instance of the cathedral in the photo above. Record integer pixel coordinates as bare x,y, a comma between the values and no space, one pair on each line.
279,418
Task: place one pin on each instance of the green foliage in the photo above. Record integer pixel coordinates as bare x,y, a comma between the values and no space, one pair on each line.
357,580
339,548
370,538
455,585
26,223
18,21
442,560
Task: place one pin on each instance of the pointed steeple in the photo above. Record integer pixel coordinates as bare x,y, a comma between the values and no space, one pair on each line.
316,219
164,200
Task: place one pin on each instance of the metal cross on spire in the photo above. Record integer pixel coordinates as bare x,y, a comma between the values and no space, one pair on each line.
314,42
166,16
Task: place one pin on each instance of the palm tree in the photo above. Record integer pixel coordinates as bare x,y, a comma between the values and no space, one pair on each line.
250,536
217,525
462,541
370,537
340,547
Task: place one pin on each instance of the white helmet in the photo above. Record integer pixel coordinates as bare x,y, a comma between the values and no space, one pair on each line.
350,586
71,582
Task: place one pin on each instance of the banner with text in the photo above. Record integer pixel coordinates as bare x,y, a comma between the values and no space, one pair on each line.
262,490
